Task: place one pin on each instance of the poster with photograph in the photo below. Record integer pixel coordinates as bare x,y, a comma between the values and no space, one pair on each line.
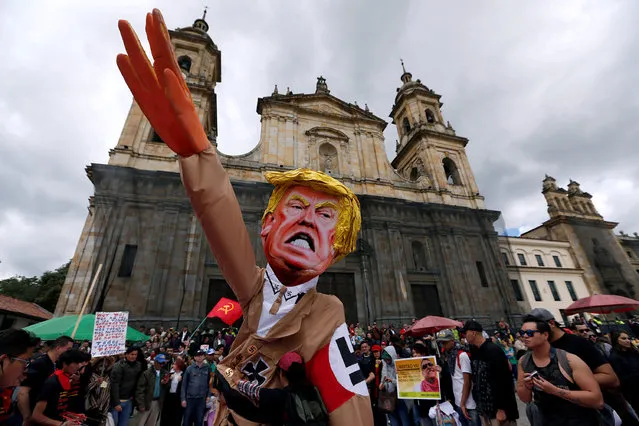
418,378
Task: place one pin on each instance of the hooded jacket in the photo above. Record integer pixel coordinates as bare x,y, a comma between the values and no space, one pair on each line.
388,370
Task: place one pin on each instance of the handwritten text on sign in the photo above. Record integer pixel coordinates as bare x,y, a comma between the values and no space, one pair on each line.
109,333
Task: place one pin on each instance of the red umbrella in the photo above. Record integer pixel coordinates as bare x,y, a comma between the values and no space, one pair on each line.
432,324
602,304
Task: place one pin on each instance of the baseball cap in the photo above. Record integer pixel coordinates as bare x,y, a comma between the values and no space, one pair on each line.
289,359
376,348
211,351
161,358
200,352
445,336
472,325
542,314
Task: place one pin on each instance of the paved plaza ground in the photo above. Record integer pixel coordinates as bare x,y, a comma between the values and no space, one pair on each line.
523,421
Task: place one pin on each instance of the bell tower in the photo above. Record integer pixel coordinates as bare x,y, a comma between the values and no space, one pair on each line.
429,149
200,62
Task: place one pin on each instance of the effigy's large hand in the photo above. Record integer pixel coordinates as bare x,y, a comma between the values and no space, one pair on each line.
159,89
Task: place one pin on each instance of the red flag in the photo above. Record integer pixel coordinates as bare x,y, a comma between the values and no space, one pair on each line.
227,310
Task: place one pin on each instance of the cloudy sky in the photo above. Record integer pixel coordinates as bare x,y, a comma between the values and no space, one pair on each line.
538,87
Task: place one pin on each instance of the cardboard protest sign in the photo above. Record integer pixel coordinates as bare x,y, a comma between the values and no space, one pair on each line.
418,378
109,333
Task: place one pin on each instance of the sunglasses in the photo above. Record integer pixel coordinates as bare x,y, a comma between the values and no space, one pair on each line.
528,333
427,365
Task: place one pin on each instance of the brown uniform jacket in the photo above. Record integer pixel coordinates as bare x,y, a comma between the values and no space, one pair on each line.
314,328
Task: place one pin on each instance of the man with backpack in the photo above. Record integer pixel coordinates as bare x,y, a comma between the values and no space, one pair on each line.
562,386
600,367
461,372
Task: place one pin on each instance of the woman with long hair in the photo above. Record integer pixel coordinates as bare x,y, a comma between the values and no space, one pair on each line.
624,359
172,410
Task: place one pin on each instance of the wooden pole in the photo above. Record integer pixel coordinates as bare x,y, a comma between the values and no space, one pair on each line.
86,300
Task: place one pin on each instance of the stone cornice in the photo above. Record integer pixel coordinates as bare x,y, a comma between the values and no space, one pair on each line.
416,134
579,221
545,269
295,102
419,89
537,242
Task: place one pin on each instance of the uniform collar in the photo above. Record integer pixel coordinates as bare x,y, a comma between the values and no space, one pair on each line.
272,286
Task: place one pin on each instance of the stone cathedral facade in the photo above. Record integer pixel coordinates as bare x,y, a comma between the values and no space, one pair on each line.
427,245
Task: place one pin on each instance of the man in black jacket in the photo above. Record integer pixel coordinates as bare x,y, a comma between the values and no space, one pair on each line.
124,378
493,388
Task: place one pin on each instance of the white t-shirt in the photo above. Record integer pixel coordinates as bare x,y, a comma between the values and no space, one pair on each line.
175,380
458,381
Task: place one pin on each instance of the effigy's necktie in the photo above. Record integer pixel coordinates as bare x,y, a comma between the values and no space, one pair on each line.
278,302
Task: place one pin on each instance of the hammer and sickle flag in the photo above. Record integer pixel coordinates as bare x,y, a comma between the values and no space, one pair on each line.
227,310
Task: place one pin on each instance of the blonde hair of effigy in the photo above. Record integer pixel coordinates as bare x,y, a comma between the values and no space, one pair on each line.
349,219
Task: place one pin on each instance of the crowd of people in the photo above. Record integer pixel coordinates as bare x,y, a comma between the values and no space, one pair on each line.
580,375
166,380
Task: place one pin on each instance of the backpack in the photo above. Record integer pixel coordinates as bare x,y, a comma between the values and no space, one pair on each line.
305,407
457,363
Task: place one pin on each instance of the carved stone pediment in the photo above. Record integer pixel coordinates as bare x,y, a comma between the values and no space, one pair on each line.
326,133
325,108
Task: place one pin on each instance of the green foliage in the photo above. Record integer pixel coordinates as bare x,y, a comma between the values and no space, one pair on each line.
43,290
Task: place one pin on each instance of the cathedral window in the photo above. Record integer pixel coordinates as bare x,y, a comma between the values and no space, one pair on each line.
155,137
517,290
419,256
522,259
553,290
128,260
328,158
571,291
504,257
535,290
482,274
417,170
451,172
406,125
430,117
414,174
184,62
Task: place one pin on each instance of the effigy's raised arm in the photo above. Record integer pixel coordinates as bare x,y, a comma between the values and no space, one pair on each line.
164,98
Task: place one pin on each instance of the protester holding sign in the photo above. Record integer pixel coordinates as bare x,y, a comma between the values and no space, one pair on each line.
109,333
388,402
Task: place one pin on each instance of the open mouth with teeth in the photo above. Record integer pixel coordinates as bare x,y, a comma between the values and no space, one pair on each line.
302,240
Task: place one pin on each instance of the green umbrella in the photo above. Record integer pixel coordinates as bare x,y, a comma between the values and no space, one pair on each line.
63,326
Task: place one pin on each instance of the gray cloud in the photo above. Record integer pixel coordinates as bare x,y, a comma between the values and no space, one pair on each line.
537,88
